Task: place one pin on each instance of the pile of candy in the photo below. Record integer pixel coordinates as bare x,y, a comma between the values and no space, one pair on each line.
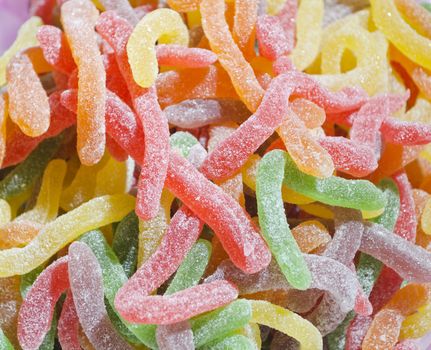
202,174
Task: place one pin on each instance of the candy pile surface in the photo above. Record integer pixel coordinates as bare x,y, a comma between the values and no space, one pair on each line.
202,174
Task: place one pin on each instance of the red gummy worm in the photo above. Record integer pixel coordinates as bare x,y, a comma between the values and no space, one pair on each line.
238,235
68,325
234,151
271,37
406,133
386,285
116,31
368,120
115,149
406,222
114,79
180,236
356,332
121,123
176,307
55,49
43,9
34,319
350,157
184,57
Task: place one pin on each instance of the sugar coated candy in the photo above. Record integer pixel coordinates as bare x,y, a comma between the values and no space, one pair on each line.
210,175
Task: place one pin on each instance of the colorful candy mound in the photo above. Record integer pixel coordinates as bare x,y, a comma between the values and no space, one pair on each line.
217,175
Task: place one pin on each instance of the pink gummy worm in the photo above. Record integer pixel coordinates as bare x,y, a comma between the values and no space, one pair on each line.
121,123
68,325
406,133
116,31
180,236
55,49
35,314
176,307
86,284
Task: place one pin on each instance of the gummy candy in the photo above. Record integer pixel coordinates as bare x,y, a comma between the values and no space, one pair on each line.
162,25
233,227
26,174
273,223
235,132
58,233
35,318
145,102
68,325
191,114
55,48
28,102
78,19
230,56
26,38
87,288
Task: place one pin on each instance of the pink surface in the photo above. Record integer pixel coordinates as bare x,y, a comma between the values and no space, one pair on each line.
12,14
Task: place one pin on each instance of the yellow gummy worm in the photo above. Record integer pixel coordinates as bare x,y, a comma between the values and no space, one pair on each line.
48,200
114,177
97,212
389,20
26,226
249,171
164,26
288,322
370,50
99,5
194,19
252,332
420,112
5,212
426,218
26,38
83,185
308,33
16,202
418,324
273,7
325,212
319,210
152,231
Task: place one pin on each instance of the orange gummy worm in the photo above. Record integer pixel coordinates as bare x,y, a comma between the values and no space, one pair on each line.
230,56
28,101
210,82
79,18
243,31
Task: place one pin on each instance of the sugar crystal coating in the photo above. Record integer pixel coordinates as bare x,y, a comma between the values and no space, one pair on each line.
235,132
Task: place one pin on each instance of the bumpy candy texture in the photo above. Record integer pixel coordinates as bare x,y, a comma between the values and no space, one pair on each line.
266,180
